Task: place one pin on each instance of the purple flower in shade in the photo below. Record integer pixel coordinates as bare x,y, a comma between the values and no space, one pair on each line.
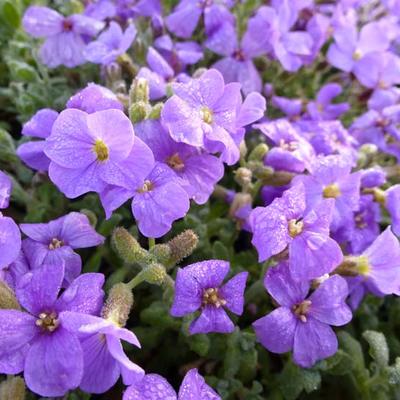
198,171
286,224
10,241
198,287
157,201
363,229
95,98
64,44
5,190
373,177
207,113
291,152
17,269
104,359
155,387
54,242
185,17
303,323
85,153
110,44
272,28
392,202
328,137
178,54
36,341
39,126
331,178
351,46
379,264
291,107
237,64
323,108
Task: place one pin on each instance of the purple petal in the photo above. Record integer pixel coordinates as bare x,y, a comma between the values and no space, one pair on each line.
328,302
5,190
42,21
233,293
54,364
151,387
40,124
313,341
212,319
392,205
10,241
32,154
194,387
183,21
276,330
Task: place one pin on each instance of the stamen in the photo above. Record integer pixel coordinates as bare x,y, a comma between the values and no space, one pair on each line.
363,267
301,310
175,162
331,191
147,186
295,227
55,244
211,297
47,321
357,55
206,115
101,150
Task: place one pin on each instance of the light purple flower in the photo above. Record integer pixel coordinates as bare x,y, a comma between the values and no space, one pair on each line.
291,107
10,241
291,152
286,224
36,341
303,323
157,201
155,387
392,204
331,178
104,359
5,190
199,287
86,154
64,44
323,108
54,242
110,44
197,170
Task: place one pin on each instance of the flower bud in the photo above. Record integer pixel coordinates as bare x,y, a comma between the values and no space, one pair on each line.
118,304
243,176
156,111
182,246
263,172
91,216
259,152
12,389
8,300
139,111
154,274
139,91
161,252
128,247
240,200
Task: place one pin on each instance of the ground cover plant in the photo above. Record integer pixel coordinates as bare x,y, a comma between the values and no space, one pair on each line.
200,199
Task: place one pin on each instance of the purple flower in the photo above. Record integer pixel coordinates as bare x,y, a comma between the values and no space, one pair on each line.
39,126
94,98
291,107
110,44
303,323
86,154
291,152
104,359
54,242
323,108
64,44
10,241
100,10
272,27
331,178
207,113
5,190
285,223
392,205
36,341
198,171
351,46
155,387
198,287
379,264
157,201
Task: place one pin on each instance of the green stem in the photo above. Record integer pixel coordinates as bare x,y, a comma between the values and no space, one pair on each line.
138,279
152,243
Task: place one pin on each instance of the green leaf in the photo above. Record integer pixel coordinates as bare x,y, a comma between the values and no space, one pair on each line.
220,251
353,348
393,373
378,348
23,71
339,364
291,382
9,14
200,344
311,380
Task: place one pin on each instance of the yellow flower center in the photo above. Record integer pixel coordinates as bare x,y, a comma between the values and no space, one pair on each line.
357,55
55,244
211,297
301,310
175,162
206,115
295,227
147,186
331,191
47,321
101,150
363,266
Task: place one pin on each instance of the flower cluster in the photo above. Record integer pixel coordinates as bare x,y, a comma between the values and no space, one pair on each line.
300,201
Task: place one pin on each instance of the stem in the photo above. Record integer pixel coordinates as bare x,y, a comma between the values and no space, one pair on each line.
152,243
138,279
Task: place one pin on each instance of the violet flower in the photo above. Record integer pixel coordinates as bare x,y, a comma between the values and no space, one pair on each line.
37,342
110,44
392,201
157,200
10,243
155,387
323,108
197,170
104,359
54,242
302,323
5,190
286,224
64,44
199,287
